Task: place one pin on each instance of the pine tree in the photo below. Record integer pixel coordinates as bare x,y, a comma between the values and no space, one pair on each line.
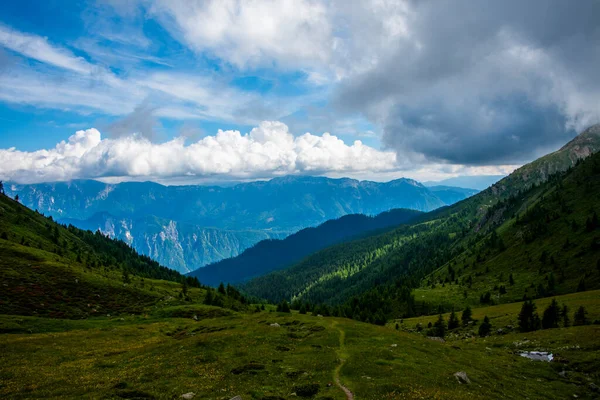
528,317
565,316
126,278
302,309
580,317
208,299
485,328
283,307
222,288
439,328
466,316
551,316
453,322
581,285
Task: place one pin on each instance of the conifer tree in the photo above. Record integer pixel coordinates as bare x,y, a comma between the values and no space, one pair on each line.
551,316
485,328
453,322
439,328
222,288
565,316
529,319
580,317
466,316
208,299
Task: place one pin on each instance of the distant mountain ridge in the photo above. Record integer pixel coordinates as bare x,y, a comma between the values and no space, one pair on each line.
162,221
271,255
539,221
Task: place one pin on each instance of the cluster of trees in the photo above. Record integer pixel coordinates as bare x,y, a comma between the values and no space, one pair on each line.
91,249
441,327
552,317
225,296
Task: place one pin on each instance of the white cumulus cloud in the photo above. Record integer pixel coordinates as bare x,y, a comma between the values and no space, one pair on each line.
268,150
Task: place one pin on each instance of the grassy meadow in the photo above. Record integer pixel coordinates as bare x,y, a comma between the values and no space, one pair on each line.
222,353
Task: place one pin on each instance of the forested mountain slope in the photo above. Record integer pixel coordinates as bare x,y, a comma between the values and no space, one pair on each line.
187,227
49,270
545,235
271,255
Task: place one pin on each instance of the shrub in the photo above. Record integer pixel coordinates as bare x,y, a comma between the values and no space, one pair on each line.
307,390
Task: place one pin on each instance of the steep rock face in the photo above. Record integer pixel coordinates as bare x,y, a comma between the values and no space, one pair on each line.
288,203
538,171
187,227
183,247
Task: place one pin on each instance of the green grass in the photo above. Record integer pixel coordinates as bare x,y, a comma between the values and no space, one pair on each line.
506,314
219,357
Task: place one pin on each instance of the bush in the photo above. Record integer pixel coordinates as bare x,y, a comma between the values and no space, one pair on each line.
307,390
283,307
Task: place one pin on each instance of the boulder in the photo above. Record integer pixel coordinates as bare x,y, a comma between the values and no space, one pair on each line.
188,396
236,398
275,325
462,377
436,338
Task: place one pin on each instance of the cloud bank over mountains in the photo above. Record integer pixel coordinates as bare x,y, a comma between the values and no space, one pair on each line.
268,150
444,87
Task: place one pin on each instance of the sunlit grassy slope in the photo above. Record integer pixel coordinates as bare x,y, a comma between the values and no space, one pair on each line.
223,355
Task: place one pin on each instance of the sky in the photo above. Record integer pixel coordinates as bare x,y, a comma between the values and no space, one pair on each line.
193,91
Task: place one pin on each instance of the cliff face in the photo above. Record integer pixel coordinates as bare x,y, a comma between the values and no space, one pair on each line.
187,227
183,247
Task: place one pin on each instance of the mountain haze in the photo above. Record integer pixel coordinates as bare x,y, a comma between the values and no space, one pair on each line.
270,255
187,227
532,224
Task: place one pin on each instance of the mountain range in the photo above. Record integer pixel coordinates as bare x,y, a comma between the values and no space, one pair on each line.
187,227
270,255
538,227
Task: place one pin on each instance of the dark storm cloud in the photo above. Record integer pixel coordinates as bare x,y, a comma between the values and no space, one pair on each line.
486,81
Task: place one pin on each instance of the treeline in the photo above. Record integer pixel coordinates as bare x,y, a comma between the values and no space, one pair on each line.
93,250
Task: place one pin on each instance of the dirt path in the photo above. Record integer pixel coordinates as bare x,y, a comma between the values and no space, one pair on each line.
342,355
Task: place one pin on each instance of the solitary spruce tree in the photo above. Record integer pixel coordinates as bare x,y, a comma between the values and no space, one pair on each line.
580,317
485,328
467,316
453,322
439,328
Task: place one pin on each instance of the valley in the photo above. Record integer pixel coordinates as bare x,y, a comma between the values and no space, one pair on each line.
299,200
212,223
404,305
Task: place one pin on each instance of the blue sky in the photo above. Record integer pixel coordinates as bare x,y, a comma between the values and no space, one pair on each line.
253,89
